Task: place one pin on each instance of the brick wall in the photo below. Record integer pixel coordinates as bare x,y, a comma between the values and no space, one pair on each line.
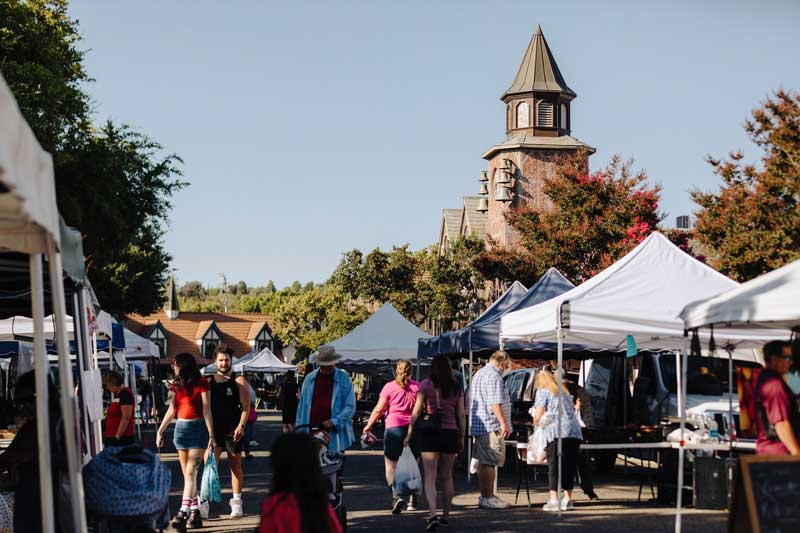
530,167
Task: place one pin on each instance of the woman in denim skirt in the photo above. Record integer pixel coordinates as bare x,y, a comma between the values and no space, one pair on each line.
194,435
397,400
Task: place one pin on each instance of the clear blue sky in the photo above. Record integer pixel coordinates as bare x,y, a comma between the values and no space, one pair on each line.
311,128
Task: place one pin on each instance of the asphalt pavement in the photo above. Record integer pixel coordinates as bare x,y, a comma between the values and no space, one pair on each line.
367,498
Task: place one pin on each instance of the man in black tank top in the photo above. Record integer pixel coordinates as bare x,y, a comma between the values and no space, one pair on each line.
230,405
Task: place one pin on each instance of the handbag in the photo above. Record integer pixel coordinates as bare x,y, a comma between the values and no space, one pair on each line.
430,421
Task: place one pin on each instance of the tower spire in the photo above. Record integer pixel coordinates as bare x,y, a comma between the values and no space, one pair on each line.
171,307
538,71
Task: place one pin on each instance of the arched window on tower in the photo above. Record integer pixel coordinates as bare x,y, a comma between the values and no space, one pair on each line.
544,114
563,123
523,115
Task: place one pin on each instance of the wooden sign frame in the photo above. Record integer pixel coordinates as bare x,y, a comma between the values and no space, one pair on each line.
743,515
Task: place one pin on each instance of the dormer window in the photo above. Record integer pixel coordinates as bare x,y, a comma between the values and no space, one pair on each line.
563,123
209,341
544,115
523,115
159,337
263,340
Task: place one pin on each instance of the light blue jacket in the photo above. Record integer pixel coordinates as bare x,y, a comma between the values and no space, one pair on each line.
343,407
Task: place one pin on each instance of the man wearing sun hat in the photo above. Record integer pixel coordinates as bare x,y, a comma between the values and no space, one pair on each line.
327,399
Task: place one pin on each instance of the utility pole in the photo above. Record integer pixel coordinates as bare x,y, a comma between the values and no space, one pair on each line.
224,291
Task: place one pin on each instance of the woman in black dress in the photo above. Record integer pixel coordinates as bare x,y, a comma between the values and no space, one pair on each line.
287,402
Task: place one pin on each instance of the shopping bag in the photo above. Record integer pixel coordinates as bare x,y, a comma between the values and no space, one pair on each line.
209,485
537,443
407,477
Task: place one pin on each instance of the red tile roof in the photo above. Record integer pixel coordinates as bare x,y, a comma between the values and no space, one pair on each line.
182,333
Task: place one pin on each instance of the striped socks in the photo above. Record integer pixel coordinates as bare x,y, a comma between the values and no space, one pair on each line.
195,504
186,504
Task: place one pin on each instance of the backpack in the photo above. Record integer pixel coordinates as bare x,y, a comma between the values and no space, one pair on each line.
127,481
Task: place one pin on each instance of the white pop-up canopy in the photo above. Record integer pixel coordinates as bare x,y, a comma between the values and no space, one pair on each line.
640,295
29,224
385,336
263,361
768,301
28,212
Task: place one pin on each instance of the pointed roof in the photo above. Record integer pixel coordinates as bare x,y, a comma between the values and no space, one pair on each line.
451,218
538,71
171,304
471,219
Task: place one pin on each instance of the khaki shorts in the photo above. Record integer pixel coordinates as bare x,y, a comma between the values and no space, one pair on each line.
490,449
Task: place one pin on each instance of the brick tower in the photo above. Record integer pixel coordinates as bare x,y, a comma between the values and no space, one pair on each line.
538,128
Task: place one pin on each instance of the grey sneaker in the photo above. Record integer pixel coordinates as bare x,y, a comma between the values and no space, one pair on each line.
551,506
567,505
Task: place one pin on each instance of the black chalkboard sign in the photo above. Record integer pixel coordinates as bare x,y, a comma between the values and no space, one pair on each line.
767,495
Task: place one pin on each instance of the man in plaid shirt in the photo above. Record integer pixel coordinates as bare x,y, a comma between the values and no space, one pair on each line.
490,420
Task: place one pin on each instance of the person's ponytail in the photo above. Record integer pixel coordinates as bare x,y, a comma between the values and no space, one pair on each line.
403,373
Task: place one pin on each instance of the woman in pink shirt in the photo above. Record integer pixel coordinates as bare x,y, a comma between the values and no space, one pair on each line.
397,399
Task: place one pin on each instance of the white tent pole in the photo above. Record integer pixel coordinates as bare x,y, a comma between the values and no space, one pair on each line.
135,391
731,422
67,388
98,424
559,384
468,380
681,390
80,356
42,401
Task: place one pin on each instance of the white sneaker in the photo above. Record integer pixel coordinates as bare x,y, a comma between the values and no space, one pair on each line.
492,502
236,508
551,505
253,443
567,505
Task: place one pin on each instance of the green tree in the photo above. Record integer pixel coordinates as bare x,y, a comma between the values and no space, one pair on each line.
752,225
593,219
113,183
192,289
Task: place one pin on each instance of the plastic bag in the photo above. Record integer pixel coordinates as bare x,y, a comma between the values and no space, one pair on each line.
537,443
407,478
209,485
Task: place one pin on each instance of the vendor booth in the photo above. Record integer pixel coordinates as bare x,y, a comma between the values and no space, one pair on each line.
632,305
29,226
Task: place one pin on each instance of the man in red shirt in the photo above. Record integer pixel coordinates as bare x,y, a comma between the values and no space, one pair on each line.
777,420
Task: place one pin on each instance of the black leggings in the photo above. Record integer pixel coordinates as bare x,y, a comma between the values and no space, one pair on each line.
569,463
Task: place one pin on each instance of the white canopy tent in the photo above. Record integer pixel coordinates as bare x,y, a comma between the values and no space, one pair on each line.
384,336
137,347
29,224
639,296
770,301
263,361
